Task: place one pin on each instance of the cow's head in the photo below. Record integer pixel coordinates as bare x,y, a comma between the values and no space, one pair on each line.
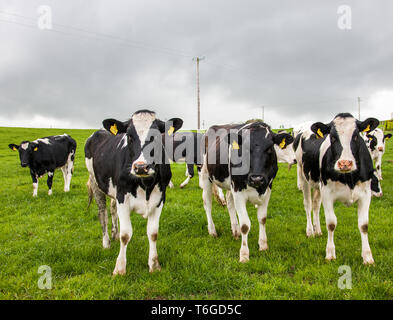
256,143
345,140
143,138
285,154
376,140
26,151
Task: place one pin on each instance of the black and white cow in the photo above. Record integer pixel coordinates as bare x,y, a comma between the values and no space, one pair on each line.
128,163
242,160
375,141
335,162
185,146
45,155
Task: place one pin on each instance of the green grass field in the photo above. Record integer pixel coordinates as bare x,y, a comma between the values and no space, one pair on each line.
60,232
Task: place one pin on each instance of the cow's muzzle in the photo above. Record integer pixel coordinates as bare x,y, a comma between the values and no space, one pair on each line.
256,180
141,169
24,164
345,165
380,149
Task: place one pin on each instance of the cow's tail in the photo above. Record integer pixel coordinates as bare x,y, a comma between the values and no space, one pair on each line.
219,196
89,192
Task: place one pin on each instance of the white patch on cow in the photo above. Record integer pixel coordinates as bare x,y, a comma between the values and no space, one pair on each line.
123,142
44,140
345,128
142,123
322,151
144,207
50,174
24,146
226,184
35,188
89,166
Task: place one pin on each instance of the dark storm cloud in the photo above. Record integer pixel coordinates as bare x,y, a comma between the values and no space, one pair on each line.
287,55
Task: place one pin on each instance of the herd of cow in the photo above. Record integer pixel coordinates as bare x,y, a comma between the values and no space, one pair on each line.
129,162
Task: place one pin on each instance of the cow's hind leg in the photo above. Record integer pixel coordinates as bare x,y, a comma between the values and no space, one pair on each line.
35,183
100,198
232,215
115,228
123,211
206,185
189,175
307,207
68,171
153,221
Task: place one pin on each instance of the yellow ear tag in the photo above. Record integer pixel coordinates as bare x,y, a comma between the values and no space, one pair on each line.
170,131
367,129
387,138
14,149
114,129
320,133
282,144
235,145
370,138
36,148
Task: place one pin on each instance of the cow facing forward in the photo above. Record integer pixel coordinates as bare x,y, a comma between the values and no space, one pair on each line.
335,163
242,160
127,162
45,155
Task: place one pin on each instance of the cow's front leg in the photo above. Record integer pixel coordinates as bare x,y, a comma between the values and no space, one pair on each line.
262,215
50,181
316,206
35,183
307,207
331,223
363,208
245,223
153,221
115,228
123,210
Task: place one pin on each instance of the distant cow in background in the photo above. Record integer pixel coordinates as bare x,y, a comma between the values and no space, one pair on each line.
45,155
128,163
375,141
335,162
185,146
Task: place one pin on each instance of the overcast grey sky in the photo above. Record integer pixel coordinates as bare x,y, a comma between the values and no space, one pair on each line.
110,58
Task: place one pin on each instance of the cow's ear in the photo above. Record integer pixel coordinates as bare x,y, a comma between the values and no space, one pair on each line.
320,129
369,136
34,146
171,126
235,140
387,136
282,139
368,125
13,147
114,126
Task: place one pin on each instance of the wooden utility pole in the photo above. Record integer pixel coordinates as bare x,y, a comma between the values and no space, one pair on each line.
197,59
263,113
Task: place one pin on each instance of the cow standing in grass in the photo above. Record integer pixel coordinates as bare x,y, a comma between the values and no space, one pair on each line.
375,141
127,162
242,160
45,155
335,163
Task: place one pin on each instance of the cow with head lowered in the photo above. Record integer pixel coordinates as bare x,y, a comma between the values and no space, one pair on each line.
242,160
127,162
335,162
375,141
45,155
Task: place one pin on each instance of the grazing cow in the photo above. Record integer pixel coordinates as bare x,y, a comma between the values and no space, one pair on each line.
335,162
242,160
127,162
185,146
45,155
375,141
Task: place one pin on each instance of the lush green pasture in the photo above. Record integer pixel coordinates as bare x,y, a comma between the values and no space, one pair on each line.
60,232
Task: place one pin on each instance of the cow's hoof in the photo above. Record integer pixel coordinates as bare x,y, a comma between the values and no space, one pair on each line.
244,259
368,258
49,192
181,186
120,268
106,243
318,233
263,246
34,195
212,231
310,234
154,265
115,235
